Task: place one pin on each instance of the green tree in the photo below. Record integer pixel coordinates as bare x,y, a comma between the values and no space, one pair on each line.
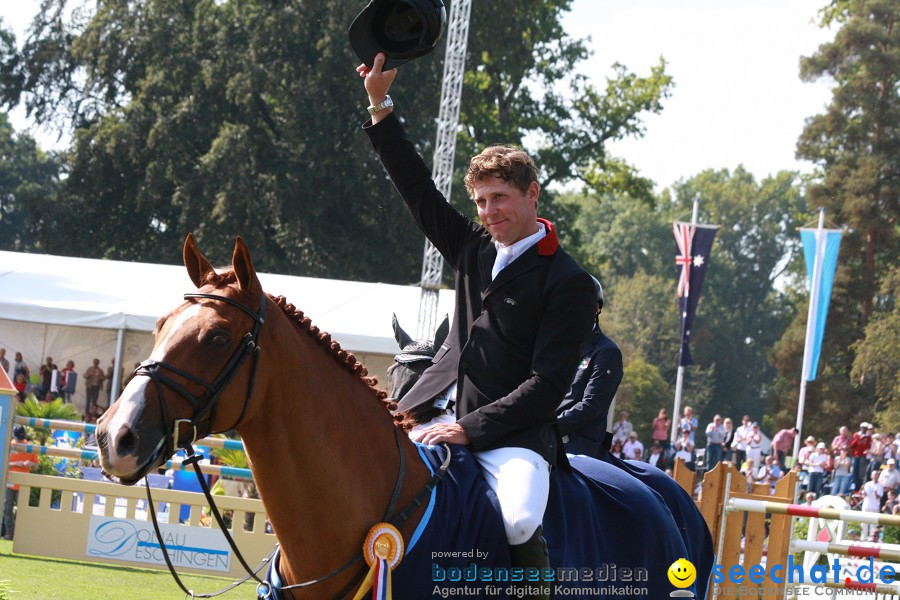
856,142
742,313
29,181
630,246
642,393
522,83
877,361
855,145
243,117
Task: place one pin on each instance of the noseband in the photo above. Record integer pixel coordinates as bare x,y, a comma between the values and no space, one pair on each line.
206,403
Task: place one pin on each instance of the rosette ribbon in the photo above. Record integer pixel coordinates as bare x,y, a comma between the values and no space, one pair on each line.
383,551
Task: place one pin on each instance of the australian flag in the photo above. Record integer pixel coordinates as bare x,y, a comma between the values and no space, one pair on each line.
694,243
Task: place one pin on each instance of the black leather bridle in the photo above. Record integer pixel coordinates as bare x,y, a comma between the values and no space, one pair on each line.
206,403
202,406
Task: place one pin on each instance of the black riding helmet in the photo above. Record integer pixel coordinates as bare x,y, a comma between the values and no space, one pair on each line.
402,29
599,289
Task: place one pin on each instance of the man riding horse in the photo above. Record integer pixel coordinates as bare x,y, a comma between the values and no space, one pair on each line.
523,310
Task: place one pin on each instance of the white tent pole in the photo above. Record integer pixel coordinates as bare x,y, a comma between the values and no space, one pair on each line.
117,370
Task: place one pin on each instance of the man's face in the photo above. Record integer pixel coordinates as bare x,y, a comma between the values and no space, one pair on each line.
507,213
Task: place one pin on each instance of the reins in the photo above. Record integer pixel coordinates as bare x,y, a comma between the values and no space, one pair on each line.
248,347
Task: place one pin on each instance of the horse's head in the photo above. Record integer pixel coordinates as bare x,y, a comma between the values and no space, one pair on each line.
409,364
182,391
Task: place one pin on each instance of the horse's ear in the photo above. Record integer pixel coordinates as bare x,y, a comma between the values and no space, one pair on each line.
441,333
401,336
197,266
243,268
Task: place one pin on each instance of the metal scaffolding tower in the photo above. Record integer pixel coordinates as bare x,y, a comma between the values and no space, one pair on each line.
444,150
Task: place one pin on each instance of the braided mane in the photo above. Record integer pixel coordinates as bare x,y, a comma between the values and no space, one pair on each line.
322,338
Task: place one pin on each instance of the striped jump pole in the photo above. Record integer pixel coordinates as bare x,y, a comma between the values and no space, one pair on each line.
211,442
801,510
56,424
91,455
887,554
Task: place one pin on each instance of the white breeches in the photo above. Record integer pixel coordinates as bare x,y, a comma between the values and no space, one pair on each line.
519,477
521,480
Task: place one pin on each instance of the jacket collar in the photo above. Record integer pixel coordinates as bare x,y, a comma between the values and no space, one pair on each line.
549,243
546,246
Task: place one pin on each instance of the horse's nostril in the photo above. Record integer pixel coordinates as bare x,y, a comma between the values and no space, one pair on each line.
124,441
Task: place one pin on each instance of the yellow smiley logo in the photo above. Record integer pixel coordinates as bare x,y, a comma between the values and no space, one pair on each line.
682,573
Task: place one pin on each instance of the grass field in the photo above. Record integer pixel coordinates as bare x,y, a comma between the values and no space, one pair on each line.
24,577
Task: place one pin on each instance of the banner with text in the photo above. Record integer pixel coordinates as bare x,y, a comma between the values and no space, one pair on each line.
135,541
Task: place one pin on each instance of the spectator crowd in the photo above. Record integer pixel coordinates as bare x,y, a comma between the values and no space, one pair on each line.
860,467
49,382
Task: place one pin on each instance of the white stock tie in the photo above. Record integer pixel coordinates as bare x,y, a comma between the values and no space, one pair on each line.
504,255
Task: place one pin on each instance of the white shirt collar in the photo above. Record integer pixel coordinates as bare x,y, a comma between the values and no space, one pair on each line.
516,249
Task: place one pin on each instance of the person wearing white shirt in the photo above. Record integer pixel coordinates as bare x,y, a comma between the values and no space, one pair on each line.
754,444
684,449
633,448
689,422
622,428
815,467
741,436
890,476
715,437
872,493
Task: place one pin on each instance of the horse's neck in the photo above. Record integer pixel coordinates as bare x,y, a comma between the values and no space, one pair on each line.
325,460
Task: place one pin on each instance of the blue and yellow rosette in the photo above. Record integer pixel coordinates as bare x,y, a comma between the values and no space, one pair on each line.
383,551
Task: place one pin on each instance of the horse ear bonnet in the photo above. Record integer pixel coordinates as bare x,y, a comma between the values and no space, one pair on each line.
402,29
415,352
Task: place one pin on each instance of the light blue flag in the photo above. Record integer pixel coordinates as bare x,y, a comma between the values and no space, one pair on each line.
820,248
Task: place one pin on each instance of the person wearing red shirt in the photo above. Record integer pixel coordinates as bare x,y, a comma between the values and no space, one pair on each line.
859,446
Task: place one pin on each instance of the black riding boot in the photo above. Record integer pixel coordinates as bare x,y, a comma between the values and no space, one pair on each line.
533,553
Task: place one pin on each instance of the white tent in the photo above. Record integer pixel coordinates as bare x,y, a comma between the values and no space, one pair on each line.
80,309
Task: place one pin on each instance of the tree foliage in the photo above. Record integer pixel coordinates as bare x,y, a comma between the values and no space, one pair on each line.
742,312
855,144
242,117
29,180
877,360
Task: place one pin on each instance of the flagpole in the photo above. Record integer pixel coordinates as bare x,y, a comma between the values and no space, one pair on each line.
679,378
810,327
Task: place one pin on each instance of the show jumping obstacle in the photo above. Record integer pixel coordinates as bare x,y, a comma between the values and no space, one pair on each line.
725,502
93,455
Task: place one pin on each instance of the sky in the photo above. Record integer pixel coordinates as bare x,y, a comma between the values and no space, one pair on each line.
737,100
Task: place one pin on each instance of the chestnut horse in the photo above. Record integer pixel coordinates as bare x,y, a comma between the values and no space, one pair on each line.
329,462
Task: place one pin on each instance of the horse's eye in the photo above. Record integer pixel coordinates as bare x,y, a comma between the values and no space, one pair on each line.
219,339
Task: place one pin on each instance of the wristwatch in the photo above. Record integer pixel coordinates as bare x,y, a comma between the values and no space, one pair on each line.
376,108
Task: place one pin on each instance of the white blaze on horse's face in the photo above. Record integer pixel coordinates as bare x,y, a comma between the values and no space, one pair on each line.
126,454
165,345
131,404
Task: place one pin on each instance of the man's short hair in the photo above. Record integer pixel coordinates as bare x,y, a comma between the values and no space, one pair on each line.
511,165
